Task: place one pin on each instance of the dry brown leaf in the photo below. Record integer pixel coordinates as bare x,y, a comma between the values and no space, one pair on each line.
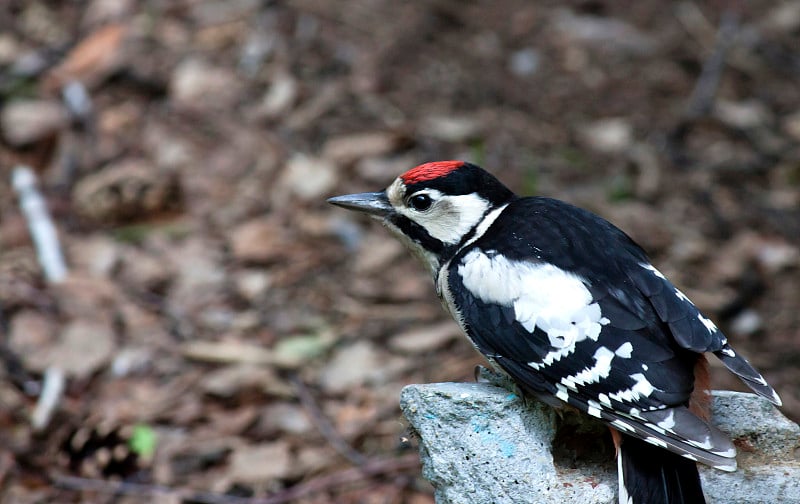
96,57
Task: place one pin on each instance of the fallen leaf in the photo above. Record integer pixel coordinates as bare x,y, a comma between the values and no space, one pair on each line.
94,59
257,464
425,339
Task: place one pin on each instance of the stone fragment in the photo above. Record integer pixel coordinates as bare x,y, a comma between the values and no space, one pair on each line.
482,443
26,121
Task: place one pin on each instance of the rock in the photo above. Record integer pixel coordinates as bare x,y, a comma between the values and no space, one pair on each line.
198,85
610,135
30,335
747,322
26,121
791,125
603,32
252,284
525,62
481,443
279,98
782,17
10,49
744,114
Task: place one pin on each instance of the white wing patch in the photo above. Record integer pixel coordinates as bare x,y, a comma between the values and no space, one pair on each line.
601,368
642,387
712,328
652,268
542,295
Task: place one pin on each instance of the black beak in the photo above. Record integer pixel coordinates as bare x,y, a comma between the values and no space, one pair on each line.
373,203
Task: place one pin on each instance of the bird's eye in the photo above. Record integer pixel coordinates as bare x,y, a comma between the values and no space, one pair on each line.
420,202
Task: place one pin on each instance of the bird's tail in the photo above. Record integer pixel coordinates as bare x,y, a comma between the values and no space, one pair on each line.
651,475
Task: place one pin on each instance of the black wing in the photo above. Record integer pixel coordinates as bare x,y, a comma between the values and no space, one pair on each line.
631,363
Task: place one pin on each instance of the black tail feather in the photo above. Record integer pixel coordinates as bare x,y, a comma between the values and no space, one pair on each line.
651,475
752,378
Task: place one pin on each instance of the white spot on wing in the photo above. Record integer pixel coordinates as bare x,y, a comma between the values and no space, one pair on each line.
601,368
669,422
542,295
619,424
655,441
642,387
682,296
705,445
653,269
776,399
625,350
729,453
712,328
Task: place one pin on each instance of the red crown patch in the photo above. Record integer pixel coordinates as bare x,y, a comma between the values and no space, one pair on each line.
430,171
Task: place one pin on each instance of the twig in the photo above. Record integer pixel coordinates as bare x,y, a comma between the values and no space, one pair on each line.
52,392
702,98
373,467
701,101
324,426
42,229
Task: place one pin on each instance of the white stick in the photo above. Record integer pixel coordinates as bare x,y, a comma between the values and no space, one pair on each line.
52,391
42,229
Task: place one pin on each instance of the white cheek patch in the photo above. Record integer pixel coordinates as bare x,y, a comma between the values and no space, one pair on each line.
451,217
542,295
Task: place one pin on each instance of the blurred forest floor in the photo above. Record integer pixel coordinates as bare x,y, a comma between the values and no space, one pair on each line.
225,334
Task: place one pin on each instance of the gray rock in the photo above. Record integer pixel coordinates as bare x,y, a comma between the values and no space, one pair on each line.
480,443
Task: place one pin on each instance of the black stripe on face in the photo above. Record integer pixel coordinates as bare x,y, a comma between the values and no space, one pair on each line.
421,236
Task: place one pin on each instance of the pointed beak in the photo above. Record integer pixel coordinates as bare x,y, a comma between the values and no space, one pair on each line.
373,203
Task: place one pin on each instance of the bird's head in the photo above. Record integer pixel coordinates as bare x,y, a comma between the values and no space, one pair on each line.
433,208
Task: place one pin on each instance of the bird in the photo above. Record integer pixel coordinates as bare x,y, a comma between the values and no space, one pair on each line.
572,310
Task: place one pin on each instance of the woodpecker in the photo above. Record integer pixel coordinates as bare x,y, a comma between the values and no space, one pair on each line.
571,308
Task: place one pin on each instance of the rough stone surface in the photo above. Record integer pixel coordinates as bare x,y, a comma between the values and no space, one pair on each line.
481,443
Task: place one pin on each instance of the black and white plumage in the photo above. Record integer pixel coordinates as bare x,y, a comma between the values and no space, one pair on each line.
572,309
